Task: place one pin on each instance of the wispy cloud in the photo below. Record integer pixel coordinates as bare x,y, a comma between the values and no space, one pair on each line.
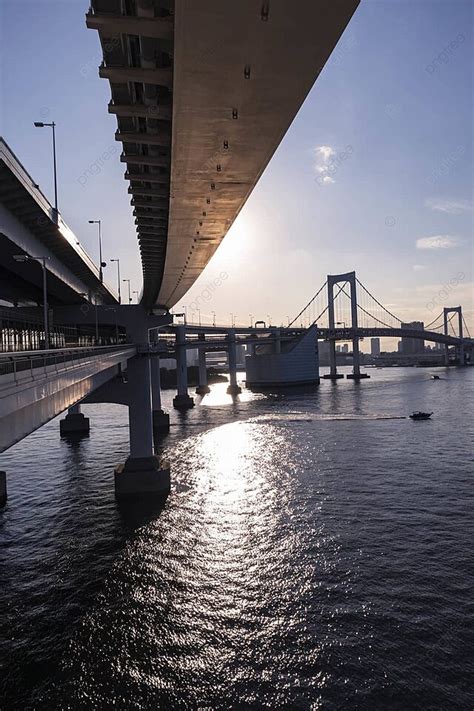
418,267
452,207
322,159
327,162
437,242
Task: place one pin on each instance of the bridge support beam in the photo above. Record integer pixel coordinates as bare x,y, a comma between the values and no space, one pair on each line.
182,401
3,489
75,423
202,387
161,419
233,388
141,475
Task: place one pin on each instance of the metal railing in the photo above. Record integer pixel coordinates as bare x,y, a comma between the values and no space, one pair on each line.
31,360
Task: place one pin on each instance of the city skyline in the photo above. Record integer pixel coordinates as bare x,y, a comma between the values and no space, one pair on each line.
336,196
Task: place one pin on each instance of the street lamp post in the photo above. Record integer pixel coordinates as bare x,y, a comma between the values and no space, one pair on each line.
40,124
112,308
251,320
118,278
42,261
213,318
232,319
135,292
199,316
102,264
129,292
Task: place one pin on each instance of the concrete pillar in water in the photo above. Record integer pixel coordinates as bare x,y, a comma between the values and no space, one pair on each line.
277,340
75,423
161,419
182,401
233,388
141,475
3,489
202,387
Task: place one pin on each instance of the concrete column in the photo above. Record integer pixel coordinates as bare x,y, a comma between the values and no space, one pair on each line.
182,399
141,475
233,388
203,387
161,419
3,489
277,340
333,374
446,346
332,359
355,324
75,423
460,334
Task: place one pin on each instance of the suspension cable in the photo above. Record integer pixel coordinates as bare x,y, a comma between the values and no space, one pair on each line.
378,302
465,325
432,322
309,302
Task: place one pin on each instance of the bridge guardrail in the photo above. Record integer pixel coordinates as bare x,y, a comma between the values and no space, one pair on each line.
30,360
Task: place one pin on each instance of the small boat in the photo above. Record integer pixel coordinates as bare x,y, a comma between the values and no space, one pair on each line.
435,377
420,415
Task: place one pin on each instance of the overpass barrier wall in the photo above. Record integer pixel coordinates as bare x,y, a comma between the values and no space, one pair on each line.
35,388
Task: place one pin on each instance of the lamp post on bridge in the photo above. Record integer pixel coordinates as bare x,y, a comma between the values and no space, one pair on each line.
41,124
118,279
129,292
101,263
135,292
213,318
251,320
42,261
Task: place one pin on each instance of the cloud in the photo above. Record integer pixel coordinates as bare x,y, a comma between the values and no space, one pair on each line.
437,242
418,267
452,207
323,156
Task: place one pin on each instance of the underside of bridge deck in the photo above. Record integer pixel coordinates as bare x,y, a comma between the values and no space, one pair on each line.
204,92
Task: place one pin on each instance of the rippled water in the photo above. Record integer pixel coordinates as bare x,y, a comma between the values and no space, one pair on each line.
314,554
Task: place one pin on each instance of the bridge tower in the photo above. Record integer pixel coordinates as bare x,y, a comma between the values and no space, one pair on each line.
333,279
446,311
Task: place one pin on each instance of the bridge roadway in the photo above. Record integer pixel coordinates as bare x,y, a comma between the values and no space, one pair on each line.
29,225
36,386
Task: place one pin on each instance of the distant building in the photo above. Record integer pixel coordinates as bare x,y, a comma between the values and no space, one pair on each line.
413,346
345,348
375,346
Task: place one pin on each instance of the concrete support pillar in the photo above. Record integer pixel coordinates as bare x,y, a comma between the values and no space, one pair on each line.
3,489
332,359
355,324
277,341
182,400
202,387
75,423
233,388
161,419
141,475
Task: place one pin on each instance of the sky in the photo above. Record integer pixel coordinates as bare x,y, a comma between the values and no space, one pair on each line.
375,174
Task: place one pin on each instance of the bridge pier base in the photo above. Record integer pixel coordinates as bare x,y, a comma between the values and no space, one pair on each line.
203,388
160,419
333,376
3,489
141,475
234,388
75,423
182,401
357,376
